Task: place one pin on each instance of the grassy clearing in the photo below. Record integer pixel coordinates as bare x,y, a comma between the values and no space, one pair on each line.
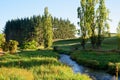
39,65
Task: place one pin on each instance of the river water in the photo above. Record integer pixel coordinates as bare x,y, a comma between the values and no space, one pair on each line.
95,75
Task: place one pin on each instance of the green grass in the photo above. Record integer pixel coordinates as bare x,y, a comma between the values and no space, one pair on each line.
98,60
39,65
110,43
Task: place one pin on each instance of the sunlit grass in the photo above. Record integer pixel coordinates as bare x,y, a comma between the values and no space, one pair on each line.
40,65
15,74
52,72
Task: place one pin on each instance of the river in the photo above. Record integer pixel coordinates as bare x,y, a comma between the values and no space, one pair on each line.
94,74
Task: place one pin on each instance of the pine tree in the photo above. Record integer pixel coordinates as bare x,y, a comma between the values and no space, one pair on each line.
47,28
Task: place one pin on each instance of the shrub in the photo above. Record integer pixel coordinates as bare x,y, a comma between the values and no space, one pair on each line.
2,39
13,46
5,46
30,45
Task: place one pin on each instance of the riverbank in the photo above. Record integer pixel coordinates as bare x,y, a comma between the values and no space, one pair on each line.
94,74
98,60
106,58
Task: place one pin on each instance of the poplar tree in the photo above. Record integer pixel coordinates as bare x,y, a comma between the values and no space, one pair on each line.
86,13
82,16
102,18
47,28
90,20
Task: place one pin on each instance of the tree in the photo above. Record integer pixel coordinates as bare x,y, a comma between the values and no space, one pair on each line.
82,16
118,35
93,23
47,28
26,30
86,13
102,17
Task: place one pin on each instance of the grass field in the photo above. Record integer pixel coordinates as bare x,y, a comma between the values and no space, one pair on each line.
36,65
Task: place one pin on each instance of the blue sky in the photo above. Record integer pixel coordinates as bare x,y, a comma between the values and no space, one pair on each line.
66,9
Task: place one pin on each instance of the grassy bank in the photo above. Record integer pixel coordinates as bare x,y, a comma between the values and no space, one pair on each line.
98,60
38,65
105,58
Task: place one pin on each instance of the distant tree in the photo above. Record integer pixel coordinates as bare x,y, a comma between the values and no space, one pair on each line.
118,35
47,28
63,29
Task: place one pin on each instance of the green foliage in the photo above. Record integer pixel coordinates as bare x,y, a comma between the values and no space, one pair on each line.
102,24
42,64
5,46
2,39
10,46
93,23
13,46
47,28
30,45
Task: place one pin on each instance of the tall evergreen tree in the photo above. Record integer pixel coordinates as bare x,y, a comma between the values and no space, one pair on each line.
47,28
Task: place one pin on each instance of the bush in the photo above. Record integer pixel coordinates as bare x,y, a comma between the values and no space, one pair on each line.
5,46
13,46
2,39
30,45
10,46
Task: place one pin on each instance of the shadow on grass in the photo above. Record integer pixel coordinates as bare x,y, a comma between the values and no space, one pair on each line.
28,63
27,59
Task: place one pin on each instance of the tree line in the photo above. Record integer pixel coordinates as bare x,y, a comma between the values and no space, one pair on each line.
33,29
94,17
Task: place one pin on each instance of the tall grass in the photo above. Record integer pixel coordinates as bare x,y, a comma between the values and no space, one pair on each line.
15,74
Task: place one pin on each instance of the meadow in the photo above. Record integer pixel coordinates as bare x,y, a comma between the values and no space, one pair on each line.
36,65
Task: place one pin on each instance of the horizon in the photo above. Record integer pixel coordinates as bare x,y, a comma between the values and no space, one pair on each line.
19,9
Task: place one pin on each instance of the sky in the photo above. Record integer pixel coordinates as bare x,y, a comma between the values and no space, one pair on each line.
65,9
